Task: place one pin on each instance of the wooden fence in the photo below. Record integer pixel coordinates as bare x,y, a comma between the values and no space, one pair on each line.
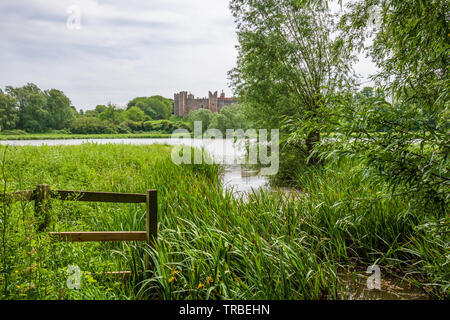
42,195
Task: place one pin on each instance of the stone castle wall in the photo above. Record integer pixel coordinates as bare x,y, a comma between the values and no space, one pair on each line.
184,103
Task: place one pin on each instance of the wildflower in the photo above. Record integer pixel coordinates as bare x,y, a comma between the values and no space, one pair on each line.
200,285
174,272
17,271
209,280
172,279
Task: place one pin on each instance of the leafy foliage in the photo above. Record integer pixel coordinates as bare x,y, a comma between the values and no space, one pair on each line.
404,135
268,246
156,107
291,61
8,112
203,115
33,110
229,117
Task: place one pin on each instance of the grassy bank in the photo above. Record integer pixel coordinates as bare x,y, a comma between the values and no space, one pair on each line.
51,136
211,245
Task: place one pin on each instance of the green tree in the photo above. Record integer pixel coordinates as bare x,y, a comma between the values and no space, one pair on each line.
291,61
220,122
8,112
112,114
136,114
32,103
131,125
410,48
60,109
235,117
100,108
229,117
156,107
203,115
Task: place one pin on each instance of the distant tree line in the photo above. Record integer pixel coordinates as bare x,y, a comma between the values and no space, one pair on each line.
29,109
229,117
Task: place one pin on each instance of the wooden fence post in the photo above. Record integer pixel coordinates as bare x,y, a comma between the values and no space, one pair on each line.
151,221
41,202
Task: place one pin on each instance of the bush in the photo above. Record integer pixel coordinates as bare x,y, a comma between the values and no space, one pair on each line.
148,126
166,126
54,131
90,125
203,115
133,126
110,130
123,128
14,132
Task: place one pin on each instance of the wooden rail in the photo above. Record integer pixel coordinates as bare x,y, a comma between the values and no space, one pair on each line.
26,195
99,196
100,236
42,195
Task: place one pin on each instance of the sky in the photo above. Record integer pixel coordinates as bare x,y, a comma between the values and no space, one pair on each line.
99,51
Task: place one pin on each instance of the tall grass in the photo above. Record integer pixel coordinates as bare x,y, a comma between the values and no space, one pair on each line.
211,244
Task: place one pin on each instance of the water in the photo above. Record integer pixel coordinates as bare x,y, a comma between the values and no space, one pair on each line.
243,180
235,176
391,288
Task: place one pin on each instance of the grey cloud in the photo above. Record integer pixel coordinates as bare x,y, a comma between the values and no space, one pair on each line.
124,49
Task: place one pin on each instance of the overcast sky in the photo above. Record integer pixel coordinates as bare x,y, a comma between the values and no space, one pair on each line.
123,49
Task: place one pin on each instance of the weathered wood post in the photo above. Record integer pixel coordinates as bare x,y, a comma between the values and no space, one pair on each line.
41,205
151,221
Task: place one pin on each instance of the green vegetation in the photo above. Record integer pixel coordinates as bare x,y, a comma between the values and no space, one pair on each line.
151,114
229,117
294,73
211,245
292,60
412,153
372,166
52,136
32,110
155,107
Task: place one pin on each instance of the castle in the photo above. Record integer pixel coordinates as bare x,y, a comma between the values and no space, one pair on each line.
184,103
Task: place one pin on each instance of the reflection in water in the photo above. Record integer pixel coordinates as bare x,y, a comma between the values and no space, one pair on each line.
242,180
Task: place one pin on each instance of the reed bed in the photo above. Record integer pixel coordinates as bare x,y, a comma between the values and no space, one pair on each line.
211,244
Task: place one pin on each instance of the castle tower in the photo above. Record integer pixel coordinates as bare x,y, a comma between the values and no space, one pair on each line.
212,102
182,103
